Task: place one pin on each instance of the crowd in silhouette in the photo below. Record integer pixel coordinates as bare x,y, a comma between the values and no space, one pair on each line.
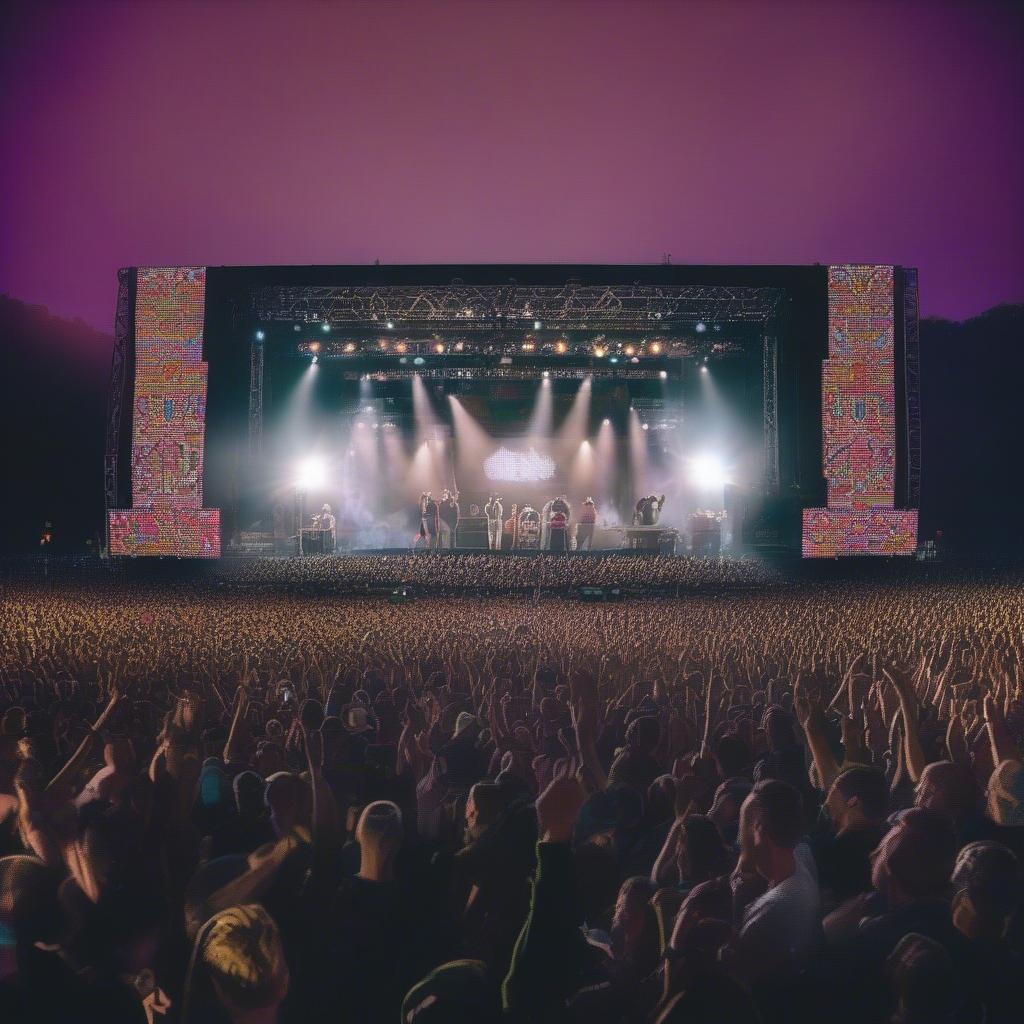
221,804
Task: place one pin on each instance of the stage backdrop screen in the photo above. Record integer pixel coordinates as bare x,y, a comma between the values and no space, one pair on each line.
858,399
168,422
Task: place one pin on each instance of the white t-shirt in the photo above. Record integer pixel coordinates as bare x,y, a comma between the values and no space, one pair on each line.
781,928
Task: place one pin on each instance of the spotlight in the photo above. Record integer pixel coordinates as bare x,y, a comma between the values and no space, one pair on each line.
350,347
645,426
528,346
545,375
390,325
707,472
655,348
560,347
459,346
439,348
400,347
605,421
260,335
418,361
703,369
701,327
614,359
314,346
326,328
311,473
297,327
316,359
536,325
663,374
599,352
629,350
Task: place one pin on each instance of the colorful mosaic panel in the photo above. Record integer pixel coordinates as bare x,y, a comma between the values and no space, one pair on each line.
858,397
168,422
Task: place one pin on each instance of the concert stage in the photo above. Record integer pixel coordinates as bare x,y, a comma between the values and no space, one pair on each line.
775,408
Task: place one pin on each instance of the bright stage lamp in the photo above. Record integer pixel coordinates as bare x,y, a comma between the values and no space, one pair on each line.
260,335
707,472
326,328
663,374
312,473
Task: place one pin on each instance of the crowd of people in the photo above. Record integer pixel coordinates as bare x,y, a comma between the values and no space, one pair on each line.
453,573
238,804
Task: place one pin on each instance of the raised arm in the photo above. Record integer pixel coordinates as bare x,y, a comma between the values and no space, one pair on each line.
79,758
550,948
812,720
916,761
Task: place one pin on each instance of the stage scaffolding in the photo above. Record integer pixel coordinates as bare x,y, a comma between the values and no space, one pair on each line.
569,307
120,390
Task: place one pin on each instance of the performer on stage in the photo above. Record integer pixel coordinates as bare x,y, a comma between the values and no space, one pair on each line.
495,520
327,525
558,530
648,509
429,516
448,518
585,525
545,525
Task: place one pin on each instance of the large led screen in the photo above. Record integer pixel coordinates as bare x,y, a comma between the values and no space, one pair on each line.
168,422
858,399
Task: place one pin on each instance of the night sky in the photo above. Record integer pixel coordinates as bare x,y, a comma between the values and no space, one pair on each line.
763,132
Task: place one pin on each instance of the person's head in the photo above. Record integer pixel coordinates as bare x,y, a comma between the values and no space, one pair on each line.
248,788
915,858
459,992
643,734
29,908
778,727
379,834
702,853
239,950
269,758
986,881
859,796
922,981
771,824
484,806
948,787
725,808
1004,797
732,757
289,801
634,931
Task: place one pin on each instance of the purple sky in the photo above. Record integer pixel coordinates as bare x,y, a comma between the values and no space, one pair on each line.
786,132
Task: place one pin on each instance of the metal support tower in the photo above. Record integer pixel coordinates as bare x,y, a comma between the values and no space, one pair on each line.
912,368
771,414
124,328
256,398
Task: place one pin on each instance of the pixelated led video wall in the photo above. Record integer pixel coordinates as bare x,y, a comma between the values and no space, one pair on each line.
168,422
858,398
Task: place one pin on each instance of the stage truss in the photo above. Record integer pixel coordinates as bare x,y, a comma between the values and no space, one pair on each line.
569,307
